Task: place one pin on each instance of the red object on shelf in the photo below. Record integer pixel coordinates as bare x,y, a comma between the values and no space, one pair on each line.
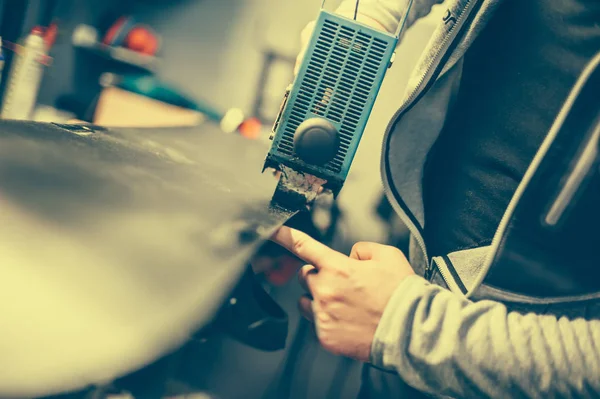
250,128
50,35
142,40
136,37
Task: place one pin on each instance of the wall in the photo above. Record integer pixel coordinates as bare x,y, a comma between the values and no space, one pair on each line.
212,49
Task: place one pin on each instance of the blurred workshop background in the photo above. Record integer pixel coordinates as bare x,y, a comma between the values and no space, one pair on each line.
186,62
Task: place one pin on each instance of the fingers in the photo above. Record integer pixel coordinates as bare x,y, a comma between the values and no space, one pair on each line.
373,251
306,277
306,248
364,251
306,308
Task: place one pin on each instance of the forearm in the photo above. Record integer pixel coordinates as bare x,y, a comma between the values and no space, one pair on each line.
388,13
441,343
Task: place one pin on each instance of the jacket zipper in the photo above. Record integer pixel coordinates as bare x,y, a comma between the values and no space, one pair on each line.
448,273
444,275
428,275
423,81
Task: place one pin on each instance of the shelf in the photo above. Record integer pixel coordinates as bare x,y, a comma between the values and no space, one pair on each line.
121,54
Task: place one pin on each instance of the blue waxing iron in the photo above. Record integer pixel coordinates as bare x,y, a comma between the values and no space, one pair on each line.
325,110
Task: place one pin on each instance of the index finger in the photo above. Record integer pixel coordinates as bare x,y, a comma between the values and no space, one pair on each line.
305,247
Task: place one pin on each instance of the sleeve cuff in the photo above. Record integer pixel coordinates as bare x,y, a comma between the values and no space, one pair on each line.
393,332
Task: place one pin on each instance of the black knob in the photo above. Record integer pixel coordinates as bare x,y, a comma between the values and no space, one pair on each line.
316,141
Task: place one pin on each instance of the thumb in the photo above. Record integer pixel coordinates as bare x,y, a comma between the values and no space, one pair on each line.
375,251
365,251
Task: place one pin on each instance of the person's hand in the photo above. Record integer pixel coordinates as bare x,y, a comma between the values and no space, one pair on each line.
277,264
349,294
310,27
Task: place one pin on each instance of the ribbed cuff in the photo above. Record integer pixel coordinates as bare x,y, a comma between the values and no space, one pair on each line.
393,332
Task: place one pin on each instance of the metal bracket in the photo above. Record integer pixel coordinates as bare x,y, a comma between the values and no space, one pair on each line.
297,189
403,22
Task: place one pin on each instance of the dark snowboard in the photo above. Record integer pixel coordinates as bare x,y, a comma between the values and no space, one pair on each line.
116,245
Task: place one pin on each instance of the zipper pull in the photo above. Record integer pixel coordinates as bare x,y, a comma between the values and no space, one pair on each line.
428,271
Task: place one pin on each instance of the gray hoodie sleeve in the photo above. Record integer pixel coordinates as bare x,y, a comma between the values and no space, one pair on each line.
389,13
444,344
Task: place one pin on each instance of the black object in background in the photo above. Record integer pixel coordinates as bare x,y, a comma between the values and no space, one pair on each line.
252,317
270,60
46,12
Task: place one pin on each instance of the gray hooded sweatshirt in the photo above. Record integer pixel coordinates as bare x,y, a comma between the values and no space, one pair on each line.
467,339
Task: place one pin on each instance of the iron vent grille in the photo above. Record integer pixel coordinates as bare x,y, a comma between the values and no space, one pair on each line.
336,85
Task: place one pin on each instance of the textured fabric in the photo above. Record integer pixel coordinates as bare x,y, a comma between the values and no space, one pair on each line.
377,383
468,264
442,344
491,135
